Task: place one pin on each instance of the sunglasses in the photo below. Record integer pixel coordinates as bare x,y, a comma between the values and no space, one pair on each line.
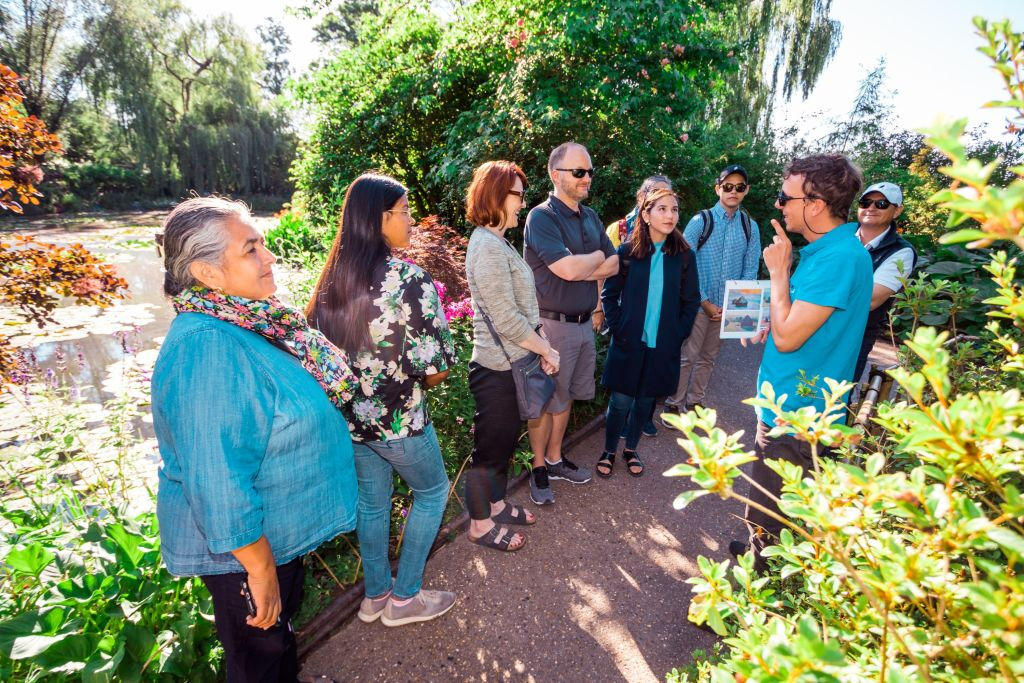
739,187
783,198
882,204
521,195
578,172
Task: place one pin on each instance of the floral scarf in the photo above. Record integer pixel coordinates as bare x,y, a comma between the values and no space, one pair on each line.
277,322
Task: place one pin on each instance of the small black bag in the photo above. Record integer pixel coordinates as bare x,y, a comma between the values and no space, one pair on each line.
534,387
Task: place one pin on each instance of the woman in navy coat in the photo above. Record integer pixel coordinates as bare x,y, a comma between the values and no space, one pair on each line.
650,306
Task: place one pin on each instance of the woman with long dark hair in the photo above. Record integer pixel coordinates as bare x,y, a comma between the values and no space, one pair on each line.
650,304
386,315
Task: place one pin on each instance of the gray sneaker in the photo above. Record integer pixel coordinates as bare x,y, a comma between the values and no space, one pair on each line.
371,608
426,605
567,470
541,493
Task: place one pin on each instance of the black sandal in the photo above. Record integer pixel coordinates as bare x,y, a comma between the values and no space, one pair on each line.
498,538
513,514
606,461
632,461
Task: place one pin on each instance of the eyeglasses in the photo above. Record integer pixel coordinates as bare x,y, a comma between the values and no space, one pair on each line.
408,212
783,198
881,204
739,187
578,172
521,195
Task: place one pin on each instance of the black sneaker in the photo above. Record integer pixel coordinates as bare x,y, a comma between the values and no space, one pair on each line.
567,470
670,410
540,487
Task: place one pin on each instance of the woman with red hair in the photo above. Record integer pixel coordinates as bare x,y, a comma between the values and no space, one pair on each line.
502,287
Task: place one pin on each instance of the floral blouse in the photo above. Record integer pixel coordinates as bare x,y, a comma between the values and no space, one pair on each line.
412,341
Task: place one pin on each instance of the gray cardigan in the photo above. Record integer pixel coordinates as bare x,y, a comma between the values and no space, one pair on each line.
502,283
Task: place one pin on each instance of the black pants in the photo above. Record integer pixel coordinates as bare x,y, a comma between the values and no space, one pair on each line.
764,530
252,654
496,426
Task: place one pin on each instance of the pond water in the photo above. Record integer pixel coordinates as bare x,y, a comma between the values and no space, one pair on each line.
101,355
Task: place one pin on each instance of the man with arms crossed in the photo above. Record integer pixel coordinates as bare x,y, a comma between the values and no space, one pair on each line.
569,252
817,315
728,247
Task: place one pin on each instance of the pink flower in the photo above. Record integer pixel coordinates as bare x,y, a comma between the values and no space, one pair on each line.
668,110
684,137
729,53
520,23
678,49
664,61
643,72
522,37
512,43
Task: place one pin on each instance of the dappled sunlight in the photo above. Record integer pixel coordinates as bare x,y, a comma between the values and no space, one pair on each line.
480,567
629,578
591,612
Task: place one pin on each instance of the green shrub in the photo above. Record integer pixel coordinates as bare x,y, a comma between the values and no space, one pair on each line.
900,561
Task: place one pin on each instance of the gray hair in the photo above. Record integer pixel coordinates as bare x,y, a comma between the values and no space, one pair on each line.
194,231
649,184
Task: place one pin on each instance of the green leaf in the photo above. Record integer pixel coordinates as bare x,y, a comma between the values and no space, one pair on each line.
687,497
31,559
1007,539
127,542
949,267
19,637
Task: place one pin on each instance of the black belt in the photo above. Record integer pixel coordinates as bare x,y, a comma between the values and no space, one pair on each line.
566,317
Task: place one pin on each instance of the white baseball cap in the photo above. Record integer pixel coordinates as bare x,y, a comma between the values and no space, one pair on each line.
890,191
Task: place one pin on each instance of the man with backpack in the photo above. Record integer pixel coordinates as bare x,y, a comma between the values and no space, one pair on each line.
728,247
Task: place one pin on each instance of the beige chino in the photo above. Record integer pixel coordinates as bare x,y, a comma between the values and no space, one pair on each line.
698,356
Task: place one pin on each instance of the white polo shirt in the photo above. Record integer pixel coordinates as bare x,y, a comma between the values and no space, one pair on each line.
888,273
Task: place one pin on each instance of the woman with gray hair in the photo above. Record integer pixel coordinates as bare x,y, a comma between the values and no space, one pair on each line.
257,462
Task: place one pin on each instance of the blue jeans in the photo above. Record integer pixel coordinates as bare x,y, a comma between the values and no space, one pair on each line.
629,412
417,459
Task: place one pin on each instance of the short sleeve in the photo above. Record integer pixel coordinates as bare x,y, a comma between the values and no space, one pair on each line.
692,231
894,268
606,244
217,408
830,282
545,239
428,348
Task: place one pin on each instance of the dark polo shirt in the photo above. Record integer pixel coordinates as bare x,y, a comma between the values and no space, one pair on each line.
549,238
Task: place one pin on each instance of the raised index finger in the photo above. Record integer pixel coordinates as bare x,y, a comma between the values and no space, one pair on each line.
779,230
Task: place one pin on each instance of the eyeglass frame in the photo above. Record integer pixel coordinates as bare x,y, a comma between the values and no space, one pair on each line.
517,193
782,198
865,203
728,187
578,173
405,211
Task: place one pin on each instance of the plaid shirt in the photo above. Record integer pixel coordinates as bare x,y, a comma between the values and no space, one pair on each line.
726,255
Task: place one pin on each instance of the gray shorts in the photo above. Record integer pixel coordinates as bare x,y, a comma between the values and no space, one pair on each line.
578,355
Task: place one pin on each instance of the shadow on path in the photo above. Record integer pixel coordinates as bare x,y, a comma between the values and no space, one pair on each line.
597,594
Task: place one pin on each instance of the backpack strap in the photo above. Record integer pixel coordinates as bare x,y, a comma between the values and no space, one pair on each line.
745,221
708,227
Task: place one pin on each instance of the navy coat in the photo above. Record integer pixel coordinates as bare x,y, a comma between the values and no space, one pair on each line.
631,367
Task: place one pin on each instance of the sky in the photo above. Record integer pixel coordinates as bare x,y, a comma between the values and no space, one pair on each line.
930,49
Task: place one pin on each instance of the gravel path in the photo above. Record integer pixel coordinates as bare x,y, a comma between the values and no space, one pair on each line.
597,594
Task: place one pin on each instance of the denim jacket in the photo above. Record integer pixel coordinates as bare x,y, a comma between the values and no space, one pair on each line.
250,446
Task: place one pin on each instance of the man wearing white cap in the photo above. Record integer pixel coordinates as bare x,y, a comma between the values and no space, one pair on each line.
892,257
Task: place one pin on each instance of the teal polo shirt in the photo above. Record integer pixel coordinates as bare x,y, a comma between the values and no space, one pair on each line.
833,271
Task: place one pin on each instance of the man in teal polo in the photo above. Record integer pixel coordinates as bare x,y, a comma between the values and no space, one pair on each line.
818,316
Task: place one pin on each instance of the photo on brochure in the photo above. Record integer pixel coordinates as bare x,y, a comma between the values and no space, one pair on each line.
745,309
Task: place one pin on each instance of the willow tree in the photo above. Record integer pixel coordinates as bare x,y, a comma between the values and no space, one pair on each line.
785,46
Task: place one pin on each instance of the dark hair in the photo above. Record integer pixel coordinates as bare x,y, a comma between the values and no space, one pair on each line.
648,185
194,231
485,197
340,303
640,243
558,154
829,177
